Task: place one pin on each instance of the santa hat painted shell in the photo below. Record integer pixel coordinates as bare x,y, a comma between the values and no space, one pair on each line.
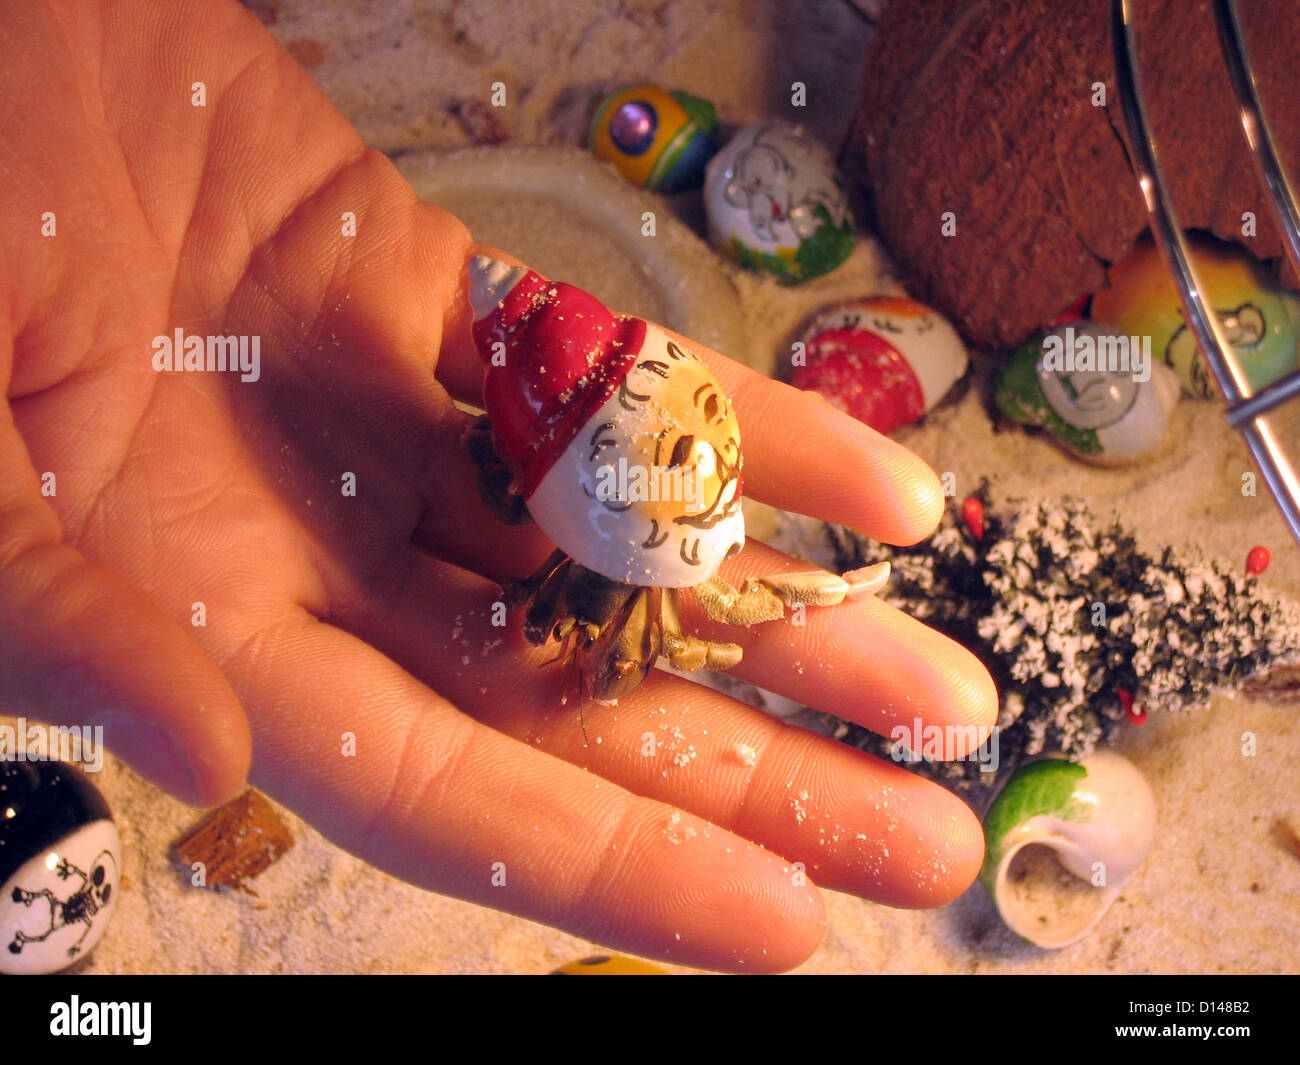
554,354
576,394
884,359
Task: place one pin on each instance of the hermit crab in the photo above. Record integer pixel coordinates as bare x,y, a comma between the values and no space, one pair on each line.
620,444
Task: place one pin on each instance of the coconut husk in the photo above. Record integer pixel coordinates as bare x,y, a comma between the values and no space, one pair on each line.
984,108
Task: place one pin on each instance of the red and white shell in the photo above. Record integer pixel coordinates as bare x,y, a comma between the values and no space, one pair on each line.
884,359
623,444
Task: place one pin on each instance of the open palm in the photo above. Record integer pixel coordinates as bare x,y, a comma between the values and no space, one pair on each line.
297,570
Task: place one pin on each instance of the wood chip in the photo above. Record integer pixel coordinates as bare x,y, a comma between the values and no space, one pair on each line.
235,842
1285,834
308,52
1279,685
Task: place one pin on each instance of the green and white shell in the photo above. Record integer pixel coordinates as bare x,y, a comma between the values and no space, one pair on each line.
1097,819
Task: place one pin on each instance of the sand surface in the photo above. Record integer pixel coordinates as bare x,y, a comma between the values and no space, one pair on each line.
1220,893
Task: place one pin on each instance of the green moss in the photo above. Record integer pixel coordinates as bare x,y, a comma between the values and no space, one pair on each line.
701,111
825,249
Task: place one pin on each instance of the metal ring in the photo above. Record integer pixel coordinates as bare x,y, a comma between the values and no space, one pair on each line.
1246,408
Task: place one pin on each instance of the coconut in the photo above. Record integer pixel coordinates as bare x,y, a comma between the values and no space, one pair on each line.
989,109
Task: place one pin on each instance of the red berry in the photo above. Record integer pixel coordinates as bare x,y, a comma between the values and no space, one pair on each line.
1139,716
1257,561
972,513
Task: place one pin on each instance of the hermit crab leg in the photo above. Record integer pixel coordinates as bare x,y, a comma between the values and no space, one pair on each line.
690,653
516,593
545,606
765,598
497,484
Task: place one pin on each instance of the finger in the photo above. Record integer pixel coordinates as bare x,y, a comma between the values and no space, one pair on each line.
82,647
453,806
362,343
359,386
862,660
459,527
867,827
801,454
460,369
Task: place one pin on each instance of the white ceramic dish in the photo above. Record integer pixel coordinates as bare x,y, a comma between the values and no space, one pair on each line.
563,212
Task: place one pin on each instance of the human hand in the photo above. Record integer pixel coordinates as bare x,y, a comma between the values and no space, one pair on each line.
327,614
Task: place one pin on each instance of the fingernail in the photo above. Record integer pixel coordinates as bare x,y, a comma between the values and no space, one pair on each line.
151,752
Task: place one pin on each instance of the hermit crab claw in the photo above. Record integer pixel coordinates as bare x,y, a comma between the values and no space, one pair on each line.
617,661
867,581
762,599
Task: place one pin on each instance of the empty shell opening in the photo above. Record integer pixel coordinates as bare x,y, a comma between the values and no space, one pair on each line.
1046,896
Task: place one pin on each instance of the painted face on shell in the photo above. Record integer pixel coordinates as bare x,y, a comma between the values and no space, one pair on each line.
650,490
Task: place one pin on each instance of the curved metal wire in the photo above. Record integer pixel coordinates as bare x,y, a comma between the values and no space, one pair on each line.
1246,408
1258,133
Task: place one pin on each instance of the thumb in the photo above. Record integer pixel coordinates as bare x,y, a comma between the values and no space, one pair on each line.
80,646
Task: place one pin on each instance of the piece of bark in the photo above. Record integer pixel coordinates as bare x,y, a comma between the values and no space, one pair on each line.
1287,838
308,52
236,842
985,108
1278,685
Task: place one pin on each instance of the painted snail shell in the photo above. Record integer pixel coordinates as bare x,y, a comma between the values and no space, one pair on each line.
1098,818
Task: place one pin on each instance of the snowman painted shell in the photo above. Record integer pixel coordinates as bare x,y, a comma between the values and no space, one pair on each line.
775,203
1103,412
624,446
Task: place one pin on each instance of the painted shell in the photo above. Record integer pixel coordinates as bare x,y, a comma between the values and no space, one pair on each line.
1255,312
661,140
776,203
622,447
609,965
1100,399
1098,820
625,448
886,360
60,866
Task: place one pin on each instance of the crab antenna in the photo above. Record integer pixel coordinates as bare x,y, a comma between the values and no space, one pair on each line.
582,721
566,648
